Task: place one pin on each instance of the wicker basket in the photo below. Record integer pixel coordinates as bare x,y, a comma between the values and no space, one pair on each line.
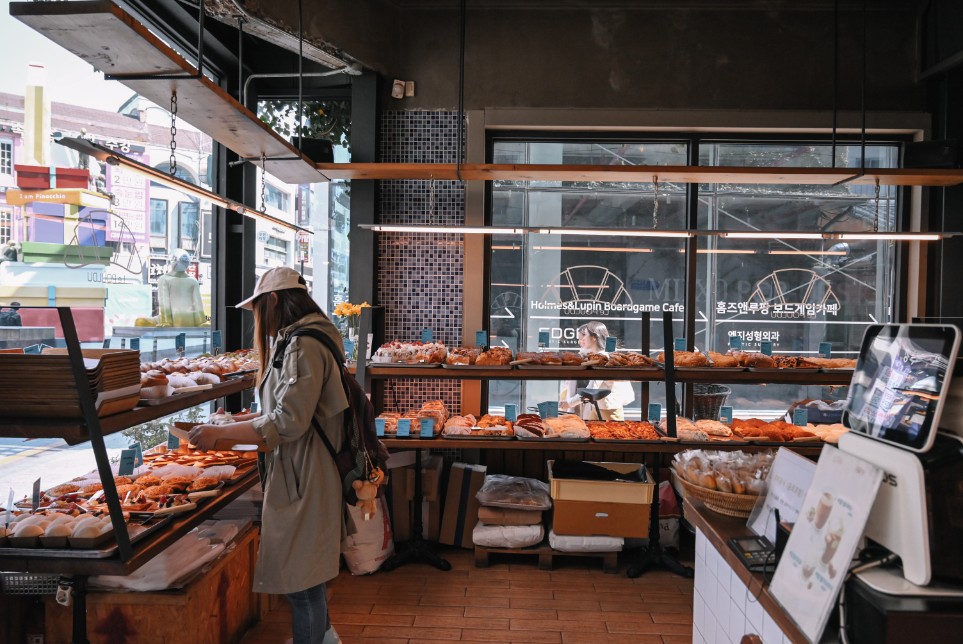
733,505
707,400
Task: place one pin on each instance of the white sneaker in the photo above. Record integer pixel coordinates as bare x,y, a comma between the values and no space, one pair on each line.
330,637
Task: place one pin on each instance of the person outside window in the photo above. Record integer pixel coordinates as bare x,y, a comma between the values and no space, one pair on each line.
303,512
591,339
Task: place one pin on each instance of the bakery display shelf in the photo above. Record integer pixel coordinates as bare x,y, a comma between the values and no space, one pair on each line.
665,447
144,549
75,430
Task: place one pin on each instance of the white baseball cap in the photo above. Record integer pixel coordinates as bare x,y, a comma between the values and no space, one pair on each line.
276,279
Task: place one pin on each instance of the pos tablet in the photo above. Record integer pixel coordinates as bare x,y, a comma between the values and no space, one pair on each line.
901,383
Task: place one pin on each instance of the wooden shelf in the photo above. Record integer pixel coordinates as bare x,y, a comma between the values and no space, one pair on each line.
640,174
719,376
553,445
104,35
75,431
143,551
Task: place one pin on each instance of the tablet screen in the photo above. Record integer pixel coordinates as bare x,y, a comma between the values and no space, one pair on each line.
901,381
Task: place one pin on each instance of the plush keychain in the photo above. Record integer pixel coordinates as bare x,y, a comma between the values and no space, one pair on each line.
367,492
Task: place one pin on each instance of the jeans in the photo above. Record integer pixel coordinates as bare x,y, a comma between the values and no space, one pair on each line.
309,615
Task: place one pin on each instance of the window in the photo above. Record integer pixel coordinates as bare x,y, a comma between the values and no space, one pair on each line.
6,225
275,197
6,156
158,219
188,215
276,251
794,293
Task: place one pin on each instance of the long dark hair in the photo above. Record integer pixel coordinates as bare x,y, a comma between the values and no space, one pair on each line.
293,304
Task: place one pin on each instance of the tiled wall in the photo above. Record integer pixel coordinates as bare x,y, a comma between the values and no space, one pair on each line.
420,277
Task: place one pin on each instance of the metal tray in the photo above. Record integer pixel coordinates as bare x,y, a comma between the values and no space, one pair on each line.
469,367
466,437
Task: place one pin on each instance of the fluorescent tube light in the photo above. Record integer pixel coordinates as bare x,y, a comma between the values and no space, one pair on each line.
760,234
889,236
807,252
615,233
110,157
423,228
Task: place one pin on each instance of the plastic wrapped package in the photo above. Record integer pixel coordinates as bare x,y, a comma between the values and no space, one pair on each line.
518,492
507,536
595,543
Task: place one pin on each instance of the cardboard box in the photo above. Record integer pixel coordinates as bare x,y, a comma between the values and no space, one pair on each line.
591,518
607,491
461,507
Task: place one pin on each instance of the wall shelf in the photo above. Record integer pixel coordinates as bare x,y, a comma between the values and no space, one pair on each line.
110,39
641,174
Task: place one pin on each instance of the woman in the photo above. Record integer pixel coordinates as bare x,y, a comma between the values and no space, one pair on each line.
591,339
302,517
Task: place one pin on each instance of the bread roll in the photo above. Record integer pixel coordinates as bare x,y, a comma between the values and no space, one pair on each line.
160,391
88,531
59,529
24,529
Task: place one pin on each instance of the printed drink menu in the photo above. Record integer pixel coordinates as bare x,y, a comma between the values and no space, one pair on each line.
822,543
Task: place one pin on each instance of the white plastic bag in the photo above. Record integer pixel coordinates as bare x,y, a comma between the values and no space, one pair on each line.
517,492
507,536
369,547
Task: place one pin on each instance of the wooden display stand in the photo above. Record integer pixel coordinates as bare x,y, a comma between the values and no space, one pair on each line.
217,606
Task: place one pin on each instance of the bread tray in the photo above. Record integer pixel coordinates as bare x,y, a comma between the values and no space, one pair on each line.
630,441
652,368
467,437
410,436
545,367
552,439
412,365
78,551
782,369
469,367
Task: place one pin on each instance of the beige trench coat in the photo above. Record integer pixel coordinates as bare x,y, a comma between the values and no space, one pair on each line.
302,518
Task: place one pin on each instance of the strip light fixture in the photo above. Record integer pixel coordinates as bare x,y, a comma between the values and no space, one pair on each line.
110,157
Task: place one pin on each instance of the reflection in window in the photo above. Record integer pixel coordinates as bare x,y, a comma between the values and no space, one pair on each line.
275,197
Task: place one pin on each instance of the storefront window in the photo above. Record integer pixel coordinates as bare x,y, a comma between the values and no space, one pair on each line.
793,293
158,218
6,226
555,283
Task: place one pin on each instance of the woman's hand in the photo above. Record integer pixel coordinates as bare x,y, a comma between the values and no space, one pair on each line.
204,436
565,405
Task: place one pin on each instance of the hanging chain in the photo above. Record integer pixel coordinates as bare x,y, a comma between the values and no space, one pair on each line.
263,173
876,211
173,164
655,203
431,202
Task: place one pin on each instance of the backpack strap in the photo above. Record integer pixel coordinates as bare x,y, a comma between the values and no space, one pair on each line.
278,362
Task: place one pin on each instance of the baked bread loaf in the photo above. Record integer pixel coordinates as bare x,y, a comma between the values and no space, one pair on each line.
495,356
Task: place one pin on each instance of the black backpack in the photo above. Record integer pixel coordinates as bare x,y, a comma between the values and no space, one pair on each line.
361,449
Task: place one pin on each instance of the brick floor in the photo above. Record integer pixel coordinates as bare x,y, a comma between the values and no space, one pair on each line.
511,601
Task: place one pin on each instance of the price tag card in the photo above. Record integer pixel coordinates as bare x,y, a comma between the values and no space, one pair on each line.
610,343
135,344
126,466
348,348
800,417
404,427
180,343
735,342
481,339
825,349
655,412
380,426
9,516
173,442
138,454
427,335
427,426
765,347
216,341
543,339
511,412
679,344
548,409
725,414
36,495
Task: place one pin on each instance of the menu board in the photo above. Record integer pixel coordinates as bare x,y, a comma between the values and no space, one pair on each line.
822,543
